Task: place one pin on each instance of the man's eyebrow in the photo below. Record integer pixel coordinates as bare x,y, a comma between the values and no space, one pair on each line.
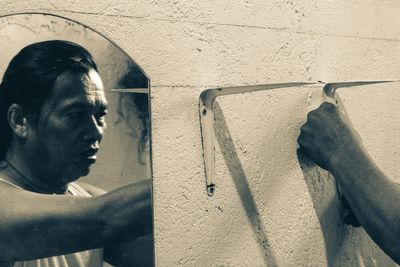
102,106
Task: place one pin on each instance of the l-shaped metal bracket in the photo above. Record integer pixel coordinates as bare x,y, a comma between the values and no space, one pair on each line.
206,112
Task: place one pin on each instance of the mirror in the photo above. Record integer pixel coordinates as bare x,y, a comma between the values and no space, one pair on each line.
124,155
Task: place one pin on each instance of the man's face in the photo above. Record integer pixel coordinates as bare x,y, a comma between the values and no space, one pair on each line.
63,143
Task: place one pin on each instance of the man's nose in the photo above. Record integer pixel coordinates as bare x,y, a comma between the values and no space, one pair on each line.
94,130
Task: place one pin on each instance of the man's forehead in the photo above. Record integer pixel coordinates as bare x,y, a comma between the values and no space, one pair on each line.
78,87
94,77
77,82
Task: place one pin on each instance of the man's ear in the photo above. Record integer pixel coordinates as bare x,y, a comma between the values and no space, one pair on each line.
18,121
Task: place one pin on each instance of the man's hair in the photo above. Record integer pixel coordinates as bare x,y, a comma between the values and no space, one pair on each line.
30,77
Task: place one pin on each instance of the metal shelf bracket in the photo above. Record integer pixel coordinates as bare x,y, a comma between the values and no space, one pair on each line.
206,113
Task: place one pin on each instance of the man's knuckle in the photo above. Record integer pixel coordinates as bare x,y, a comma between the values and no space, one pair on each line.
304,129
311,115
328,106
300,140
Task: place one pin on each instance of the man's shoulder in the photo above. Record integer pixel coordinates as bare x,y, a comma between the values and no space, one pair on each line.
91,189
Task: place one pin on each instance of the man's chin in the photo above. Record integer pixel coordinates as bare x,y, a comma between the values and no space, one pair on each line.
77,173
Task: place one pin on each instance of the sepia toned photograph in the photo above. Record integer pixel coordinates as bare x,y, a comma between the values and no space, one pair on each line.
199,133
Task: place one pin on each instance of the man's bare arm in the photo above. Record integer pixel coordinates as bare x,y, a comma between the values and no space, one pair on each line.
135,252
37,226
138,252
329,139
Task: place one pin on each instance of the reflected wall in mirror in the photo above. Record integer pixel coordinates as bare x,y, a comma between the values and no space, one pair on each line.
123,157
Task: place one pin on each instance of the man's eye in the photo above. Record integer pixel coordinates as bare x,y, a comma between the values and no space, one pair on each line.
75,115
101,116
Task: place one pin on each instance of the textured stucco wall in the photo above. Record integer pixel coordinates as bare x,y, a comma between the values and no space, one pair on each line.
271,206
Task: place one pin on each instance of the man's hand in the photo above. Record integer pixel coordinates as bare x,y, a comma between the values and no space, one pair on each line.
331,142
327,135
325,138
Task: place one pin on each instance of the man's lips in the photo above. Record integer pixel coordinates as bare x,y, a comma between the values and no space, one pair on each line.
88,154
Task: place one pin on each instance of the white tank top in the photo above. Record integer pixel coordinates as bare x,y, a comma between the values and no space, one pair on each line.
88,258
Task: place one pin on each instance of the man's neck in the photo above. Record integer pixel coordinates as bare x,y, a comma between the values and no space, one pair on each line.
23,175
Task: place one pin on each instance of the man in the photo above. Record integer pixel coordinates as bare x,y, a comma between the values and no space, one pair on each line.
52,120
329,139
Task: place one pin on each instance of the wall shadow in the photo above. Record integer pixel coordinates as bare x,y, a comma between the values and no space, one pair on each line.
234,165
342,242
320,185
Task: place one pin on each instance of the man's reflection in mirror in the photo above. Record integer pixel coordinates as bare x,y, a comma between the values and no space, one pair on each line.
52,120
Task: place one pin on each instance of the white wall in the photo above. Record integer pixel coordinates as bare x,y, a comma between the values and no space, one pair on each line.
266,210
